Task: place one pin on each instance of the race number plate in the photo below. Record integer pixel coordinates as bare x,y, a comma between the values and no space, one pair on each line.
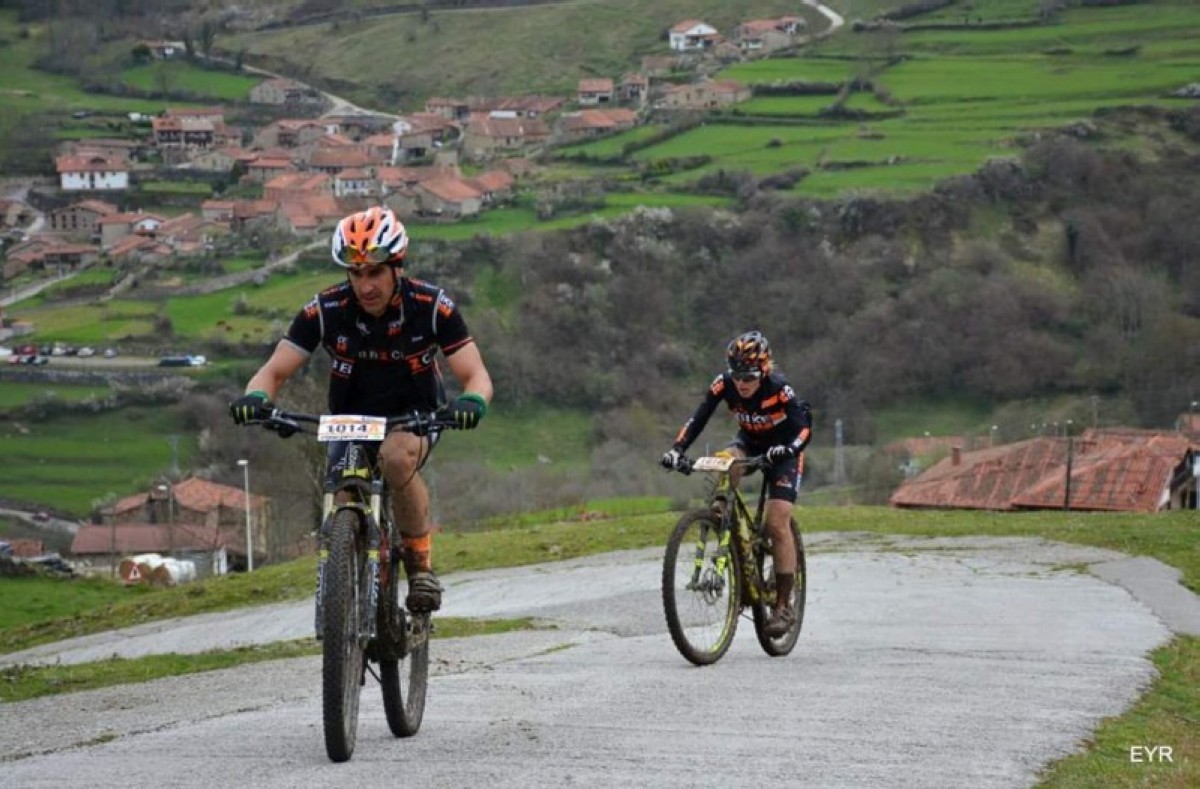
712,464
348,427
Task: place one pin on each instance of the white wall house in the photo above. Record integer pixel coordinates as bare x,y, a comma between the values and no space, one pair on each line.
692,35
89,173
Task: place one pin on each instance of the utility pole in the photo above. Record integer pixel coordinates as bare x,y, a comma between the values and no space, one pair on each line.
1095,410
173,440
245,464
839,455
1070,459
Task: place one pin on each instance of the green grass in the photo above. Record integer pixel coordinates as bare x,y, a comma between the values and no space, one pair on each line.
184,77
402,55
77,458
17,394
27,90
515,439
151,188
92,324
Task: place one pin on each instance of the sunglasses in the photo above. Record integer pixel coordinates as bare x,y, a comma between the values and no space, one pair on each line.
371,256
745,376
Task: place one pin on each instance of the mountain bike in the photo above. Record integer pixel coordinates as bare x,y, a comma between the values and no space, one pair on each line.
360,617
719,562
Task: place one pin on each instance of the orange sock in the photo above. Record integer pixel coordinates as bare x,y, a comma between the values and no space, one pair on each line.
418,552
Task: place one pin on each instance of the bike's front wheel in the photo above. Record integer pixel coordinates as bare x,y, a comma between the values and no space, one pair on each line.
700,595
342,646
765,566
403,678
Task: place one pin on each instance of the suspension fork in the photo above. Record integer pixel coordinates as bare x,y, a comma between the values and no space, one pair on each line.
370,514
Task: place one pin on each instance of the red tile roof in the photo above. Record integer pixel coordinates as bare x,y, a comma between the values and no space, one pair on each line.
197,494
1119,470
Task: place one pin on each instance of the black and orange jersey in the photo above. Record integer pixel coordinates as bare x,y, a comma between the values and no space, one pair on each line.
772,416
385,365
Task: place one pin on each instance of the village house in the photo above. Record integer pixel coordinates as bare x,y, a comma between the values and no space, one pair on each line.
450,109
333,160
658,66
355,182
493,186
448,198
91,173
285,92
164,50
760,36
190,234
250,214
222,160
81,219
419,135
138,249
306,215
586,124
634,88
692,35
191,515
264,168
594,91
395,179
489,135
517,106
297,184
709,94
290,133
64,258
115,227
1113,469
217,210
14,213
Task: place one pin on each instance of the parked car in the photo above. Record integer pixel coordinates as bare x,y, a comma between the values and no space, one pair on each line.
110,353
41,516
85,351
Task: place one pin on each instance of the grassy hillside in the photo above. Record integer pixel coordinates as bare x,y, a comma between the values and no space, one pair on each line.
396,62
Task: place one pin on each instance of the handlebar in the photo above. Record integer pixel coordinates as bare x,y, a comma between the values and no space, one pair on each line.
755,462
288,423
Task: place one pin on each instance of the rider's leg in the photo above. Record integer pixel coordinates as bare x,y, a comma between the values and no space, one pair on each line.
783,480
401,456
783,549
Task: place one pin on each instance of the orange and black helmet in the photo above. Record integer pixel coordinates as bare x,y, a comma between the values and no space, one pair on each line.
749,353
369,238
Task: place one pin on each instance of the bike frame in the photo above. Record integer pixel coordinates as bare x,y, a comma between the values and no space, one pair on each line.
736,520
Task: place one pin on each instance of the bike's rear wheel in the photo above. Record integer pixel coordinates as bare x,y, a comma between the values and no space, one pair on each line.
403,679
342,664
783,645
700,595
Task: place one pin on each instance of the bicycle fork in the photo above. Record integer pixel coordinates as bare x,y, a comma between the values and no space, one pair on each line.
366,613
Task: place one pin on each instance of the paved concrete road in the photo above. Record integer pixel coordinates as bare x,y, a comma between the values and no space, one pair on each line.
923,663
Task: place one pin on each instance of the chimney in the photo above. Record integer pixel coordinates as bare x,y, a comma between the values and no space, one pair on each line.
955,456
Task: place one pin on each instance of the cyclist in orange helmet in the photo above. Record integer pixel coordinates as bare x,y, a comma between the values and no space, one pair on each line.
773,422
383,331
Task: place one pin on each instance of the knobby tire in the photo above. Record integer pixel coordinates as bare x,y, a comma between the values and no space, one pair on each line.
342,649
702,621
403,680
778,647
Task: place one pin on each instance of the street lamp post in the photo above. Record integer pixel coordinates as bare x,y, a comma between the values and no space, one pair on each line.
245,464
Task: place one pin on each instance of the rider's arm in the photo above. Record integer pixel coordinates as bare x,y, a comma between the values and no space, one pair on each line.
799,413
467,365
284,362
692,428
